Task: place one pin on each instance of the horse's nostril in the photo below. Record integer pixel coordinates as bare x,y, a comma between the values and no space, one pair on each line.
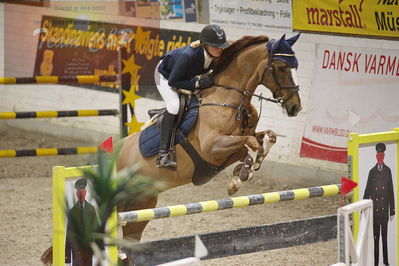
295,109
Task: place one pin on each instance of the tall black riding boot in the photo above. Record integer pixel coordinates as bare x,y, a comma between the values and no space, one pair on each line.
165,156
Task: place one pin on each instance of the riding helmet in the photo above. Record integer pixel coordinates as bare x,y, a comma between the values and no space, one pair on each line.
214,36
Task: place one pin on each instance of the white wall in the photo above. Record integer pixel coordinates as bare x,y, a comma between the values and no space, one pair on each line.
20,62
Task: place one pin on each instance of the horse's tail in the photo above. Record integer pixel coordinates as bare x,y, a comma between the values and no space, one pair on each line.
47,257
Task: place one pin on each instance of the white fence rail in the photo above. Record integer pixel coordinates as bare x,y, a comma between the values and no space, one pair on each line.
360,253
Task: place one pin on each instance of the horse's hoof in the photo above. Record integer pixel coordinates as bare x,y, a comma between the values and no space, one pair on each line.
247,171
237,169
234,185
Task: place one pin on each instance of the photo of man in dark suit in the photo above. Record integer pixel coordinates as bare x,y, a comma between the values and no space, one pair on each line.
380,189
82,216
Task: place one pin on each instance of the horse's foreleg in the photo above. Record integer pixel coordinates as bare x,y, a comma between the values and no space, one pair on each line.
226,146
267,139
244,146
244,172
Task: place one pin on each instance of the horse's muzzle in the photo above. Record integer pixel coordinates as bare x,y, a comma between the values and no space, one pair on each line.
293,109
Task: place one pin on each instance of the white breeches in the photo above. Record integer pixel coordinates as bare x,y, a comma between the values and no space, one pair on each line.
168,94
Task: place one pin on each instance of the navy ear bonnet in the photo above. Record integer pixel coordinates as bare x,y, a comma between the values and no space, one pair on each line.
281,50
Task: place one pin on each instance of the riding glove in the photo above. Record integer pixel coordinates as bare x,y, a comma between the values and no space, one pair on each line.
205,81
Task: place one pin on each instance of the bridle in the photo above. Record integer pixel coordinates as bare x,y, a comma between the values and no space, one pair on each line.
242,111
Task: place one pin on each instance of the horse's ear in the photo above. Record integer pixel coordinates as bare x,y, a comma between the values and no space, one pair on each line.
293,39
278,44
282,39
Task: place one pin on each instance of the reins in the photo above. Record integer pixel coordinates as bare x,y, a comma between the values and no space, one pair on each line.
278,100
241,108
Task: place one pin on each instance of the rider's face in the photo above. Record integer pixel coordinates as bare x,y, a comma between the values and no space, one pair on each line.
213,51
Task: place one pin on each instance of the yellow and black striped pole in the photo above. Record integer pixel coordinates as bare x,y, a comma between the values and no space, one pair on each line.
51,114
79,79
47,152
228,203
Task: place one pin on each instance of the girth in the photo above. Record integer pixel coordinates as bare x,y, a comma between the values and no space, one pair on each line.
203,171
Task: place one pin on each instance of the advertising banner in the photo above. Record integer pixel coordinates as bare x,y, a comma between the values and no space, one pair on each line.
354,90
375,18
171,9
69,47
260,14
147,9
154,9
82,47
190,11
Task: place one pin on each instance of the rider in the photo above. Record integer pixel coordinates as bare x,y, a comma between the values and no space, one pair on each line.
179,69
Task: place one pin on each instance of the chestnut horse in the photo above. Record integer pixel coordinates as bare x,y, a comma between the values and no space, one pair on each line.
225,130
222,135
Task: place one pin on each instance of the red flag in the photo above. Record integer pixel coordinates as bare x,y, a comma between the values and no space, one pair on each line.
347,185
106,145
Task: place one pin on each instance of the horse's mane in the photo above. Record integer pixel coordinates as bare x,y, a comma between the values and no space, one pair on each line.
229,53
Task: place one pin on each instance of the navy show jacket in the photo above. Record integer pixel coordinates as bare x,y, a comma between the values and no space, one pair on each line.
181,66
380,189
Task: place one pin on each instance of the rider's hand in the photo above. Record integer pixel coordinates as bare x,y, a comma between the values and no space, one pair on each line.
205,81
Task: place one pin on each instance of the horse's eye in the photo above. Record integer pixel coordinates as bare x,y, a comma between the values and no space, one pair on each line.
282,68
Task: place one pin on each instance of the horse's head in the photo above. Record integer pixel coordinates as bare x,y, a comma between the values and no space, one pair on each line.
280,74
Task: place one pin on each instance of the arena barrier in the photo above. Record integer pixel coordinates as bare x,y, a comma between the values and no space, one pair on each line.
237,241
227,203
219,244
79,79
54,114
47,152
125,106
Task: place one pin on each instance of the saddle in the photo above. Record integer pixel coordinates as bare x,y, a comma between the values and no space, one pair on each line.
188,113
150,136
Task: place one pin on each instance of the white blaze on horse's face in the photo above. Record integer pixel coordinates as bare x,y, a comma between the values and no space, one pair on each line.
294,76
